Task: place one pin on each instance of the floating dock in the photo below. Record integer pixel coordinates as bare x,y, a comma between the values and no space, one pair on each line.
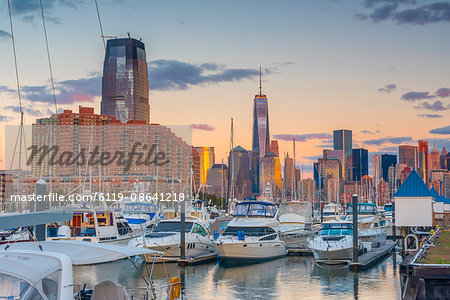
367,260
300,252
197,260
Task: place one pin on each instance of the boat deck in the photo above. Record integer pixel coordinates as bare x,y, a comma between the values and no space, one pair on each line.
372,257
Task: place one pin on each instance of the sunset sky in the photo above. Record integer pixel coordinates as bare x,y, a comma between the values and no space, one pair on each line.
380,68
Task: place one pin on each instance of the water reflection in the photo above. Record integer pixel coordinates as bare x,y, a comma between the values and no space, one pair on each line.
293,277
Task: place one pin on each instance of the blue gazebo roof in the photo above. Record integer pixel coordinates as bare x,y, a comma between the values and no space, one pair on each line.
436,195
413,187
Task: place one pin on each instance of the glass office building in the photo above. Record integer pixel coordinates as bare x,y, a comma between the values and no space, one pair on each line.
342,140
125,89
360,160
261,138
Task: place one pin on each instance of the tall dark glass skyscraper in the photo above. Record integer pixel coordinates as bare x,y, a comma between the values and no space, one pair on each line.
387,160
125,81
261,137
342,140
360,159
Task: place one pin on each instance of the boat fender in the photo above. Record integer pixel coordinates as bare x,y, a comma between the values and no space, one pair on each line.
241,235
216,234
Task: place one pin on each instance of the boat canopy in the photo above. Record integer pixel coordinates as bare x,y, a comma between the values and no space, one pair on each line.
255,209
86,253
363,208
28,266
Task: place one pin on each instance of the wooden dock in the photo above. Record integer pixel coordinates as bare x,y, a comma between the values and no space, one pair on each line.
367,260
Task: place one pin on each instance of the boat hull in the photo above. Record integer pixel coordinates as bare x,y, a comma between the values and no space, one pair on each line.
332,256
250,251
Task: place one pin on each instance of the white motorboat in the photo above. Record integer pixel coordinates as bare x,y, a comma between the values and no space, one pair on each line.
43,270
334,243
331,211
93,225
252,235
166,237
369,227
295,224
141,216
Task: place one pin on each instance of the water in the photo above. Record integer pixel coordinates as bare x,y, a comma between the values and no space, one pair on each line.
292,277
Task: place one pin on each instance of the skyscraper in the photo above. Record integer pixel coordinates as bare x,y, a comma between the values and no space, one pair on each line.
423,160
342,140
274,148
434,159
376,168
206,155
387,160
261,137
360,163
407,155
125,81
240,183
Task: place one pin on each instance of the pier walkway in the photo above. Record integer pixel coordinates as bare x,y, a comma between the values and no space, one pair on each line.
367,260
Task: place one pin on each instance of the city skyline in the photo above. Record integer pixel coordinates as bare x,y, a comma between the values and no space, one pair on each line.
325,76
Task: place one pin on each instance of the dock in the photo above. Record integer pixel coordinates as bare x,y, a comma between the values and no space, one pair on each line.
197,260
367,260
299,252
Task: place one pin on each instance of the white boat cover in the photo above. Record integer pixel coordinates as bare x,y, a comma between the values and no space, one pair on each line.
31,267
86,253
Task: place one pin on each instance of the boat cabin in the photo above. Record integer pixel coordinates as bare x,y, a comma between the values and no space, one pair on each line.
255,209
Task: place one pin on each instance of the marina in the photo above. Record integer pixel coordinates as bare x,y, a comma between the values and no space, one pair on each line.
143,165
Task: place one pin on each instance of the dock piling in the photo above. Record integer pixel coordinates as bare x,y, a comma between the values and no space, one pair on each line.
355,228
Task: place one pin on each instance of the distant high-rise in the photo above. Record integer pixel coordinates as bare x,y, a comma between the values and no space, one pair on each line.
423,160
360,163
274,148
342,140
387,160
206,155
261,137
125,81
376,167
407,155
239,161
434,159
443,155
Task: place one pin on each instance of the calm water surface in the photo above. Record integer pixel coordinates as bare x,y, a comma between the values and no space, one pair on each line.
292,277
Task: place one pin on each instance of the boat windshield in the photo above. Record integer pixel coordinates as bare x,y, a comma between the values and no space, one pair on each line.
295,208
255,209
248,231
140,208
13,287
172,227
388,207
336,229
363,208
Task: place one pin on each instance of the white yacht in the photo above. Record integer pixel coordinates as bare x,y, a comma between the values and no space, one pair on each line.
252,235
369,225
166,238
334,243
295,223
141,216
93,225
331,211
